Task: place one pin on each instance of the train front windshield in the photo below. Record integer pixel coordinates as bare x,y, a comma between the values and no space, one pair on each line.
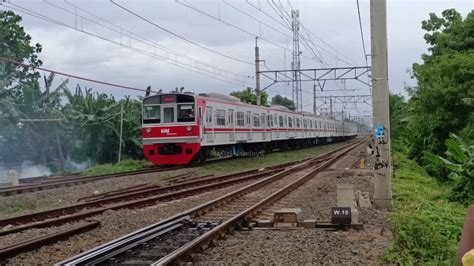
167,109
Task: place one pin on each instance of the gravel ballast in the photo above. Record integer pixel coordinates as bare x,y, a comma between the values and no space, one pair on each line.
113,225
310,246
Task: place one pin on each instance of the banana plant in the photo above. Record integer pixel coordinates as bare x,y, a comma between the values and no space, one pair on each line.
459,160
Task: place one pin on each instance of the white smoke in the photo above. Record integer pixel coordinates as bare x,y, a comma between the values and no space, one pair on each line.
72,165
30,170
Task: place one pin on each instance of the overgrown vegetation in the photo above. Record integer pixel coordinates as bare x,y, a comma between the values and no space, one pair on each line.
426,225
442,103
44,122
432,136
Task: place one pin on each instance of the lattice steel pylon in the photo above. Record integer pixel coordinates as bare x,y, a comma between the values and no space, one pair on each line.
297,96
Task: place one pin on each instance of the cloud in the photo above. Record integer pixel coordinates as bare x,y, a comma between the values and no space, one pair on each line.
335,22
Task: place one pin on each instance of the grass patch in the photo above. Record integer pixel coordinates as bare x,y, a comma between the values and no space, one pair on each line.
123,166
426,225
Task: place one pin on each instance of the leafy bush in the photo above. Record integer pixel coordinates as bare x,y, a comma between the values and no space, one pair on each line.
460,161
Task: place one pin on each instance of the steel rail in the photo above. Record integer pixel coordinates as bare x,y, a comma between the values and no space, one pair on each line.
60,182
103,252
76,212
28,245
245,215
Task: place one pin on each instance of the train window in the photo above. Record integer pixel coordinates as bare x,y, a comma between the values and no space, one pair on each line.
280,120
275,121
168,114
247,118
285,120
305,123
151,114
240,119
209,115
186,113
220,117
290,122
269,121
183,98
298,122
310,123
256,121
262,120
231,117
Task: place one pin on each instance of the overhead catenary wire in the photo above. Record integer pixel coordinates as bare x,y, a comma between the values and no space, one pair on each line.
141,51
233,26
179,36
256,19
268,15
362,33
121,30
4,59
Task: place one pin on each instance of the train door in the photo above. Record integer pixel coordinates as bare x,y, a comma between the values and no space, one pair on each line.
248,120
201,123
231,125
209,127
275,134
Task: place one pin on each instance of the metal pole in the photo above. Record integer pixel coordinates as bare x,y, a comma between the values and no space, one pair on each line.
380,104
121,130
330,108
257,72
314,100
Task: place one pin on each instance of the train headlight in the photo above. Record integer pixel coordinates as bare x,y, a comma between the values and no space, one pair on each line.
148,131
188,128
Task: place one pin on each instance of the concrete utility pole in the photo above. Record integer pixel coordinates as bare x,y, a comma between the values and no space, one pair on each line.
380,102
257,72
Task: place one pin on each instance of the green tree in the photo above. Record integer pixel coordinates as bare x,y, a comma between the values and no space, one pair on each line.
249,96
283,101
445,79
15,44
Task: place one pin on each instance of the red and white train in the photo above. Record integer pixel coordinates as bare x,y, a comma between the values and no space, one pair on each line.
181,127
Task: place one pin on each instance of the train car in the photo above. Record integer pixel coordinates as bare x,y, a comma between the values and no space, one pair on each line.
181,127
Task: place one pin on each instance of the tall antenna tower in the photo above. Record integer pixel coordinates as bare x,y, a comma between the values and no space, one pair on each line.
295,65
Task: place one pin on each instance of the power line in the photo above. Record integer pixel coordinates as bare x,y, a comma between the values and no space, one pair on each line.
179,36
362,34
280,13
230,24
137,37
254,18
71,75
328,45
141,51
268,15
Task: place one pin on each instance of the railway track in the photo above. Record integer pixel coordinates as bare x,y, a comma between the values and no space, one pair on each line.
173,240
33,184
134,197
45,183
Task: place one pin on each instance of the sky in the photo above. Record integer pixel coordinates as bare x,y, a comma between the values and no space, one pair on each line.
164,43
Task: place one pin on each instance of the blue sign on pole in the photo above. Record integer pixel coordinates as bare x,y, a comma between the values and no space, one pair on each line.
379,131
